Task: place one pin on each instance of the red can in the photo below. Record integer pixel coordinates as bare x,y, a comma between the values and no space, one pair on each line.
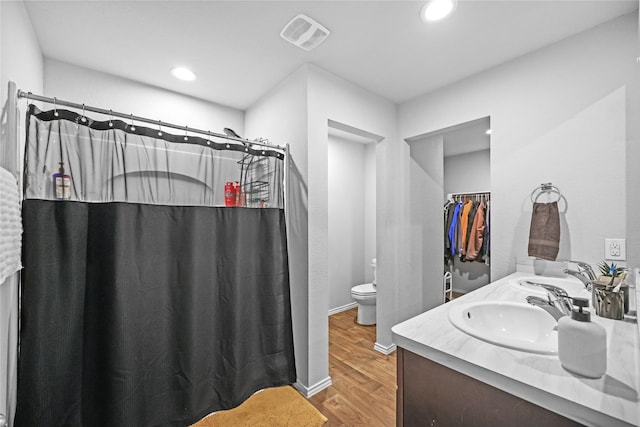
230,194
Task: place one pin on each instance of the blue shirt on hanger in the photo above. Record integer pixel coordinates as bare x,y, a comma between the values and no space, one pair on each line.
452,229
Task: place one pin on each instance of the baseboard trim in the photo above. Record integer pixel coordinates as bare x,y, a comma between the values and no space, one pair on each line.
342,308
384,349
314,389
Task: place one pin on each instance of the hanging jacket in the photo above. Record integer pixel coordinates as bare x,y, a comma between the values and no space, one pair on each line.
486,244
476,237
471,216
453,228
448,218
458,229
464,225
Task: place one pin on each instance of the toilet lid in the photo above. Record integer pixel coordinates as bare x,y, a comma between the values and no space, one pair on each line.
364,290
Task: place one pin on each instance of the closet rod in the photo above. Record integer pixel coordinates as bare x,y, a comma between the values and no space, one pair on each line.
56,101
471,193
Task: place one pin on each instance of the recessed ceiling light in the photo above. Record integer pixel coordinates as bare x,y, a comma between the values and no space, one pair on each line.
488,132
435,10
183,73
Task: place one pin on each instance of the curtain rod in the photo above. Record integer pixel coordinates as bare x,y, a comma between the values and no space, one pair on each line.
55,101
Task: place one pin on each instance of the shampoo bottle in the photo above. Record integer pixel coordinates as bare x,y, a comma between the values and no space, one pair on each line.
582,344
62,184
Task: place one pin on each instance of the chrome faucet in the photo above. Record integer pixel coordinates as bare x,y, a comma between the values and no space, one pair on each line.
556,297
585,279
585,268
547,305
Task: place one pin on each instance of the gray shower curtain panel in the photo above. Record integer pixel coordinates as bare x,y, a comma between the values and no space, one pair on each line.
144,314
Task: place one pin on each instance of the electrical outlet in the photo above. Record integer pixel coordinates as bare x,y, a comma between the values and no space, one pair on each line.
615,249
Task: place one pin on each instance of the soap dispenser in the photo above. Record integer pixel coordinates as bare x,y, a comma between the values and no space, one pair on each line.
582,344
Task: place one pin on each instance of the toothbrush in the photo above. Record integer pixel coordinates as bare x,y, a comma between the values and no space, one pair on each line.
612,273
622,277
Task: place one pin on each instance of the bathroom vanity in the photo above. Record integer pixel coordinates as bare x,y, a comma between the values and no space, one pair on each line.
447,377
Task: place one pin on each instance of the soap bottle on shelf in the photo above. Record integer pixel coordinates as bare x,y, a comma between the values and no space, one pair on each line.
62,184
582,344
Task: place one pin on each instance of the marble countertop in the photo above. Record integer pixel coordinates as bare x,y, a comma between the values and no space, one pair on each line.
613,400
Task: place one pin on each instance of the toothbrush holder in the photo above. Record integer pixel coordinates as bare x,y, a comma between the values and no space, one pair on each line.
601,284
608,304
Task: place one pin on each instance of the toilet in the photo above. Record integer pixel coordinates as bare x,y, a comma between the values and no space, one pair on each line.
365,296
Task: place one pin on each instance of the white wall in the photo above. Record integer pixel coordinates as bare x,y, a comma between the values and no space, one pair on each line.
350,220
427,230
281,115
298,112
20,62
82,85
21,56
21,59
466,173
632,156
370,206
559,115
332,98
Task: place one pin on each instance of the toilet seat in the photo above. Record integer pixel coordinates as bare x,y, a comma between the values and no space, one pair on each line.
364,290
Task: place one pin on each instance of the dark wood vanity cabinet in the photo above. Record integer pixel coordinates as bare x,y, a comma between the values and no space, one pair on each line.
430,394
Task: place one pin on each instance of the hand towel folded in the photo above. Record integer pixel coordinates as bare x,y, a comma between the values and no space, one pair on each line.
10,225
544,234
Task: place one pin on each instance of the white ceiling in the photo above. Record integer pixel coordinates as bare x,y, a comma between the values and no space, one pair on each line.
467,137
235,47
461,138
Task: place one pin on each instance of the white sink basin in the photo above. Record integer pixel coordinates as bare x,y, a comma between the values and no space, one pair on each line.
573,287
513,325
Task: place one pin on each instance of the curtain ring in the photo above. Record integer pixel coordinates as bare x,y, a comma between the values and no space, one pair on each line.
159,128
186,129
110,118
132,127
209,136
83,119
55,108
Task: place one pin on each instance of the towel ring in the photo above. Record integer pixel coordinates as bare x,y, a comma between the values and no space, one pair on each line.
545,188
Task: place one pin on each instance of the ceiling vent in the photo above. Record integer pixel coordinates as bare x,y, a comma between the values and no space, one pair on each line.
304,32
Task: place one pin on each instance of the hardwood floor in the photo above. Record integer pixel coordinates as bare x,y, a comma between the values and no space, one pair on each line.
457,294
364,380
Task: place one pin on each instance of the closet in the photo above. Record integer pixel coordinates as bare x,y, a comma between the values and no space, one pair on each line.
467,235
451,161
466,183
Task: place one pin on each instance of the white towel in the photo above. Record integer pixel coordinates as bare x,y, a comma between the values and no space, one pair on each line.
10,225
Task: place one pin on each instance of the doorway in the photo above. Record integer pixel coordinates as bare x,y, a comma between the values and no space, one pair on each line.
351,212
467,173
445,164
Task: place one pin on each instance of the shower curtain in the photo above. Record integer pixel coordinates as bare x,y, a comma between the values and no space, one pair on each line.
145,301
